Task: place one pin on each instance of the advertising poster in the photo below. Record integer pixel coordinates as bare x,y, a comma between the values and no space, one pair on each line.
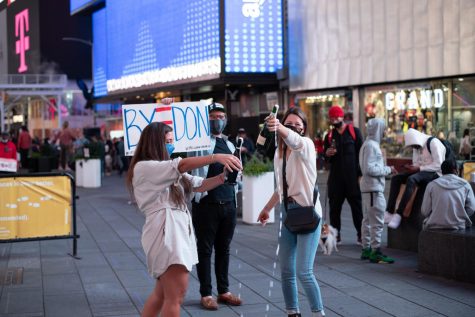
189,121
33,207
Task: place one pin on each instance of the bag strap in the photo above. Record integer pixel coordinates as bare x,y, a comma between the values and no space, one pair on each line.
284,180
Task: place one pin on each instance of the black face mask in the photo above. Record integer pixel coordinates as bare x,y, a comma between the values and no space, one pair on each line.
291,127
338,124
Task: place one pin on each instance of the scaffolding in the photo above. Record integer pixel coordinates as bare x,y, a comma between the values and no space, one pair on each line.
20,89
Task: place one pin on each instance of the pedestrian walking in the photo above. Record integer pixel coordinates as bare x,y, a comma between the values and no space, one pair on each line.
297,250
342,145
372,185
162,188
465,146
214,218
24,145
66,138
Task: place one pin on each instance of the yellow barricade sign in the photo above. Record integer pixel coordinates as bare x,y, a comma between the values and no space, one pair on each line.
35,207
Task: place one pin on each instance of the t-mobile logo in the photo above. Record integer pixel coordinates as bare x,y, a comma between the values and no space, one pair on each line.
22,25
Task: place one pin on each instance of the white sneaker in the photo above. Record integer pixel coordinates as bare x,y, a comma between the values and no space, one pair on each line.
395,221
387,217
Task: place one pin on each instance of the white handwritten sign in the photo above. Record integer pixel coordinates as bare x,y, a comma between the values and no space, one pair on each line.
189,120
8,165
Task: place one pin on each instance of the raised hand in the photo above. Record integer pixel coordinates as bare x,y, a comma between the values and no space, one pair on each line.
229,161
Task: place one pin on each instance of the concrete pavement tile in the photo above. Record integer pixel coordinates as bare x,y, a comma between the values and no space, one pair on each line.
95,275
264,310
392,304
124,261
113,309
339,280
58,265
106,293
139,295
71,305
25,260
62,284
91,259
135,278
437,303
21,301
349,306
197,311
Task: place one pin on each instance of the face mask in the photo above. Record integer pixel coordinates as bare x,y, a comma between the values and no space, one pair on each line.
291,127
217,126
170,148
338,124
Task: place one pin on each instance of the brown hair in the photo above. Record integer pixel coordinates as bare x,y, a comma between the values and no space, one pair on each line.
299,113
152,146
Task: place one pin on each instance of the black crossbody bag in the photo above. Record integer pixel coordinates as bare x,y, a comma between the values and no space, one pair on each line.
299,219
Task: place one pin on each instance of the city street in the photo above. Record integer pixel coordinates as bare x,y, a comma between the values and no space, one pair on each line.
111,278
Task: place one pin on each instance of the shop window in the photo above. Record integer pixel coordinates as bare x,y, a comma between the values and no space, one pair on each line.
419,106
316,107
463,105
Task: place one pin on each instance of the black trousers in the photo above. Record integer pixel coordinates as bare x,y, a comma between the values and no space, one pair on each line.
214,225
420,179
24,157
336,200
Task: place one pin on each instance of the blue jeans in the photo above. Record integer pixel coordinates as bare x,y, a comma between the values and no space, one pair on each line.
296,256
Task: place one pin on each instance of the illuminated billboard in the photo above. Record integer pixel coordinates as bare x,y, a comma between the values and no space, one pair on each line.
99,63
253,36
152,42
160,41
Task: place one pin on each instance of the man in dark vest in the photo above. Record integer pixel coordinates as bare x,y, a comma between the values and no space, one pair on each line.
341,147
214,218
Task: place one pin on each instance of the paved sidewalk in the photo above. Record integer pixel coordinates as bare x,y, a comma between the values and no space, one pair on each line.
111,278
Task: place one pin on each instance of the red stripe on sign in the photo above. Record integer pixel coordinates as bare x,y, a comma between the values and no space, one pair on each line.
169,122
161,109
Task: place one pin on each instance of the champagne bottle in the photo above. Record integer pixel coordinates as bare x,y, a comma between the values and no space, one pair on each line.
232,177
266,138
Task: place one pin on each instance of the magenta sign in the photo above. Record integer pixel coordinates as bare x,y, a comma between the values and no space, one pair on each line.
22,25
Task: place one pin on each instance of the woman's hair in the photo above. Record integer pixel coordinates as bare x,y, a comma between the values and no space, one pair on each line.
299,113
151,147
466,132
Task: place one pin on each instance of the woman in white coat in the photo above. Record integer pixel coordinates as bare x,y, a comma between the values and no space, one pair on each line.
161,188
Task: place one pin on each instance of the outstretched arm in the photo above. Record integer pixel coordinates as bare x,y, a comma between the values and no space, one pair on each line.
210,183
229,161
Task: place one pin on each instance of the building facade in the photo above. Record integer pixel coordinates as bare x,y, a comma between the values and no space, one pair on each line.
410,62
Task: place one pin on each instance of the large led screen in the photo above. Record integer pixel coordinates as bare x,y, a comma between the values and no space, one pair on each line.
253,36
99,62
151,41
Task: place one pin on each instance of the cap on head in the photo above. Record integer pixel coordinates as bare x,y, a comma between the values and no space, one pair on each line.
216,107
336,112
242,130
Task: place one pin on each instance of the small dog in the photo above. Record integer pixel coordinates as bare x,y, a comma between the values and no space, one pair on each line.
328,239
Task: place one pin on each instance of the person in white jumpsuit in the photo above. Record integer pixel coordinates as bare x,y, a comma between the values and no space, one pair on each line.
161,188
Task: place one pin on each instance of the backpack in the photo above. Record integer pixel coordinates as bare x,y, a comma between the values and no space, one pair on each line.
449,150
351,129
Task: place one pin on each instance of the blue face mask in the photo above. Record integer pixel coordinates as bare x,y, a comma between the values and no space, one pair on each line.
217,126
170,148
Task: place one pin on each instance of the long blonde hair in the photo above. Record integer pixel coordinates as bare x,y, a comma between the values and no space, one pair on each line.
152,146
